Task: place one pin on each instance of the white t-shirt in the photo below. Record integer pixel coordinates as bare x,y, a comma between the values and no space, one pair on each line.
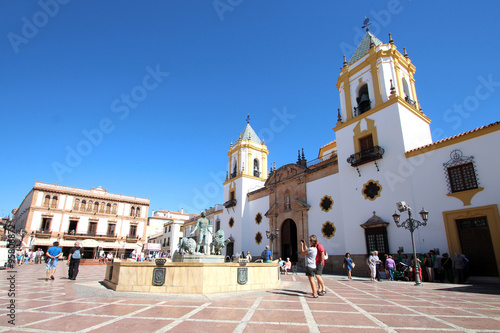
311,257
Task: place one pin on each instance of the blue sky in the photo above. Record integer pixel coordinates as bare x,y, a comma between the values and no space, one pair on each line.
144,97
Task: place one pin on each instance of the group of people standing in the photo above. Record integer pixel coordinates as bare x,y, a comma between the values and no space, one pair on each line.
29,257
314,262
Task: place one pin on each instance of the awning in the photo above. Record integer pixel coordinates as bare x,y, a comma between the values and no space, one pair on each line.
110,245
43,242
90,243
67,243
132,246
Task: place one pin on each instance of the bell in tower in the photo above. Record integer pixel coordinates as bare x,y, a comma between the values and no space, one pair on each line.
364,103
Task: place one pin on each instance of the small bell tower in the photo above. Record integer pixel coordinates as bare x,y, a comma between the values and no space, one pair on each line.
377,87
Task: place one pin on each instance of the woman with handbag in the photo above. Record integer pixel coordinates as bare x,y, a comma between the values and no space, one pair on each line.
348,264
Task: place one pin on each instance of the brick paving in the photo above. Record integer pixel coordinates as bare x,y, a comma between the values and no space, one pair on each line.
358,305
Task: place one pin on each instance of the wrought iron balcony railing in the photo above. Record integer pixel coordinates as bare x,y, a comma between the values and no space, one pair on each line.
230,203
365,156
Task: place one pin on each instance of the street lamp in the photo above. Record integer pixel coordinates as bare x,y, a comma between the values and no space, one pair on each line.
412,225
272,237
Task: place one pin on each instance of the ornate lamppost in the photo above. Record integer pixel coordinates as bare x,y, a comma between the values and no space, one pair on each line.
411,224
272,237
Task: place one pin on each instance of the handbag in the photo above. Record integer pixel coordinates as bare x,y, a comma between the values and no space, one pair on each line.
353,265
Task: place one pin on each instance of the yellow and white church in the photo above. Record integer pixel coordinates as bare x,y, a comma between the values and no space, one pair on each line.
383,154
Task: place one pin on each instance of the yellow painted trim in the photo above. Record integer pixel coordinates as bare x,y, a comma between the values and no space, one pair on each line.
366,184
371,129
347,96
466,196
453,140
380,107
376,82
493,217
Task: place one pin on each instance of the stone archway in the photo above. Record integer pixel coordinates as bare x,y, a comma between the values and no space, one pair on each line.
289,241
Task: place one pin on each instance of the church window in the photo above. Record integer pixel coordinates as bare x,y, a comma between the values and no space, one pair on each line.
258,218
461,172
371,190
363,100
231,222
235,169
326,203
258,238
256,170
328,229
406,91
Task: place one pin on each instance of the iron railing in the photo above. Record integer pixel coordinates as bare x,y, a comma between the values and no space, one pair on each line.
366,156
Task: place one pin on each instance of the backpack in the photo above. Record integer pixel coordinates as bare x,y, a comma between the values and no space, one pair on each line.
263,255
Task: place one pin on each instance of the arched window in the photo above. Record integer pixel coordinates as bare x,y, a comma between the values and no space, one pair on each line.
76,206
46,201
363,100
132,211
115,209
138,211
108,208
235,169
256,169
96,207
90,206
102,207
406,91
54,202
82,207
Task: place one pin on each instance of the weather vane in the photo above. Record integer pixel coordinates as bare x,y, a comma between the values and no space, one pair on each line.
366,23
248,119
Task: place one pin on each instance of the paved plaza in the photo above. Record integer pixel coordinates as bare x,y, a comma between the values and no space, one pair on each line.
359,305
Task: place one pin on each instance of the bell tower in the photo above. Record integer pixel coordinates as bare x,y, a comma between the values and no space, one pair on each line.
247,164
377,85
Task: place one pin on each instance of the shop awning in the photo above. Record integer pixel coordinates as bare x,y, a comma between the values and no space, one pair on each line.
132,246
110,245
90,243
43,242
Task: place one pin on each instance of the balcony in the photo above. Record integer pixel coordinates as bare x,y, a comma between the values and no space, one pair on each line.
71,235
132,238
43,233
366,156
230,203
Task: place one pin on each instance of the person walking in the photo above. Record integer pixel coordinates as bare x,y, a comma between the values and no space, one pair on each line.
372,264
310,263
320,264
75,254
390,265
54,253
447,265
249,256
348,264
378,263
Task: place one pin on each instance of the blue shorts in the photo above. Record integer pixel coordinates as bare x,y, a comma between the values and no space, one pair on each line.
52,263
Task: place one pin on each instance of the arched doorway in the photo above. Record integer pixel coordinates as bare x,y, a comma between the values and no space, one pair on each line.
289,243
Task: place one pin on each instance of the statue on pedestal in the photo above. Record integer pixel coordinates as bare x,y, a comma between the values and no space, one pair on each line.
203,225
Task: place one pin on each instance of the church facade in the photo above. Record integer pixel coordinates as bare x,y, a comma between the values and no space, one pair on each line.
383,154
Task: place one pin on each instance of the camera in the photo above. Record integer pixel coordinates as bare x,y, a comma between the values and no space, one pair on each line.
302,241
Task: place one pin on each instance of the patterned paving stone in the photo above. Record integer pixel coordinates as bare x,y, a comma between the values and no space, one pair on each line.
85,306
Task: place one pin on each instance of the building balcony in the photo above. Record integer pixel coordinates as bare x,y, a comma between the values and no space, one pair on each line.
71,235
230,203
365,156
43,233
132,238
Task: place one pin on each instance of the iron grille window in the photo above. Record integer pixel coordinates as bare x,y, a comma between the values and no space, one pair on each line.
462,177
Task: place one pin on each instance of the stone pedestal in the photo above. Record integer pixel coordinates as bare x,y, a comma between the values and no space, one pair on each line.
197,258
